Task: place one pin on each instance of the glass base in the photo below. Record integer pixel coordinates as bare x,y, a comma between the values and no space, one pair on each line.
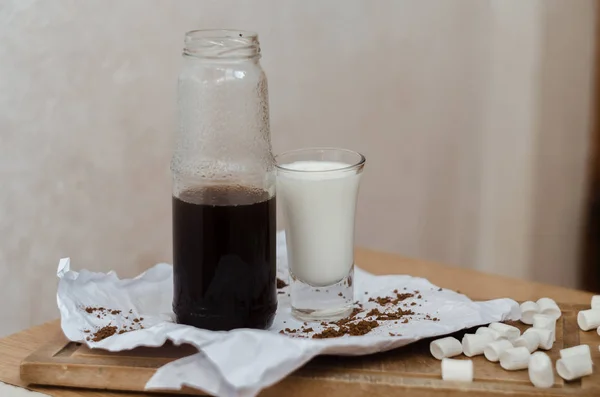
322,303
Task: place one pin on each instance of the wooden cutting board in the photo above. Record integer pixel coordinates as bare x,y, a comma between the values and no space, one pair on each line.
409,369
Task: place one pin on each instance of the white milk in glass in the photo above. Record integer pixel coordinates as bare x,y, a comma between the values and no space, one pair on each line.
319,206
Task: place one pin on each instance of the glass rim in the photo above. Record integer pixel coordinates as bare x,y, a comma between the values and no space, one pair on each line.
358,164
219,34
221,44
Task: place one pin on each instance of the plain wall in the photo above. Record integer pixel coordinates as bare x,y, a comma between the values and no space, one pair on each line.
474,117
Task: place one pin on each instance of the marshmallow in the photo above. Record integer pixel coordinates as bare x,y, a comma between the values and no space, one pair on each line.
528,309
529,340
548,306
515,358
596,302
473,344
546,339
494,349
588,319
457,370
445,347
581,350
574,367
545,321
540,370
495,335
507,331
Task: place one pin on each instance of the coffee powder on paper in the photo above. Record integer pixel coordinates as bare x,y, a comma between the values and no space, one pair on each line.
281,284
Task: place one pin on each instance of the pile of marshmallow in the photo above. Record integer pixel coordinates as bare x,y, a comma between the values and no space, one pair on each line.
504,343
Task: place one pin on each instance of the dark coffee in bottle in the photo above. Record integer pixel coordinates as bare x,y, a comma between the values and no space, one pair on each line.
224,258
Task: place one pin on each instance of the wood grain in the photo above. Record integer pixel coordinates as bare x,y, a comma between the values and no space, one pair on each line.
377,374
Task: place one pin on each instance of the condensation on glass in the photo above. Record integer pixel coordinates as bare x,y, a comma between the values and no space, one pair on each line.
223,185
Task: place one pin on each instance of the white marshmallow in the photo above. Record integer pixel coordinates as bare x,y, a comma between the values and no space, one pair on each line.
580,350
495,335
588,319
528,309
529,340
544,321
457,370
540,370
445,347
507,331
473,345
596,302
548,306
515,358
574,367
546,340
494,349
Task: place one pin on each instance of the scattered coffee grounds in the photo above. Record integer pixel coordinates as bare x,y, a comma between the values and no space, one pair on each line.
362,327
374,312
351,317
361,322
340,294
440,289
281,284
381,300
358,328
386,299
109,330
330,333
395,315
281,292
103,333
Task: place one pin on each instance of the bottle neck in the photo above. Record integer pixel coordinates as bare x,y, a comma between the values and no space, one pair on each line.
226,45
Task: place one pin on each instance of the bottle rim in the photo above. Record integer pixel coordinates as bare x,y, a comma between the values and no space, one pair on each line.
221,44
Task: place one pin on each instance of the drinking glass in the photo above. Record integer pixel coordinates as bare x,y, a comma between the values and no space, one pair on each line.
318,190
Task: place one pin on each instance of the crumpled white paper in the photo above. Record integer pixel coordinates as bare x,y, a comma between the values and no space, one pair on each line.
242,362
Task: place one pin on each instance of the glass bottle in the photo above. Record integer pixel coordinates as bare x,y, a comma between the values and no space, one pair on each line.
223,186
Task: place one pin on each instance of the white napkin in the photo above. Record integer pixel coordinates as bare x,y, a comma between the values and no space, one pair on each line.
242,362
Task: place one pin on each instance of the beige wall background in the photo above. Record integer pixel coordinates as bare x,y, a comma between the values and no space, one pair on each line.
474,116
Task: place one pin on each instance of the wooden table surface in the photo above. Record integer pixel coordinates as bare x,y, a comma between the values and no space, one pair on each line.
474,284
